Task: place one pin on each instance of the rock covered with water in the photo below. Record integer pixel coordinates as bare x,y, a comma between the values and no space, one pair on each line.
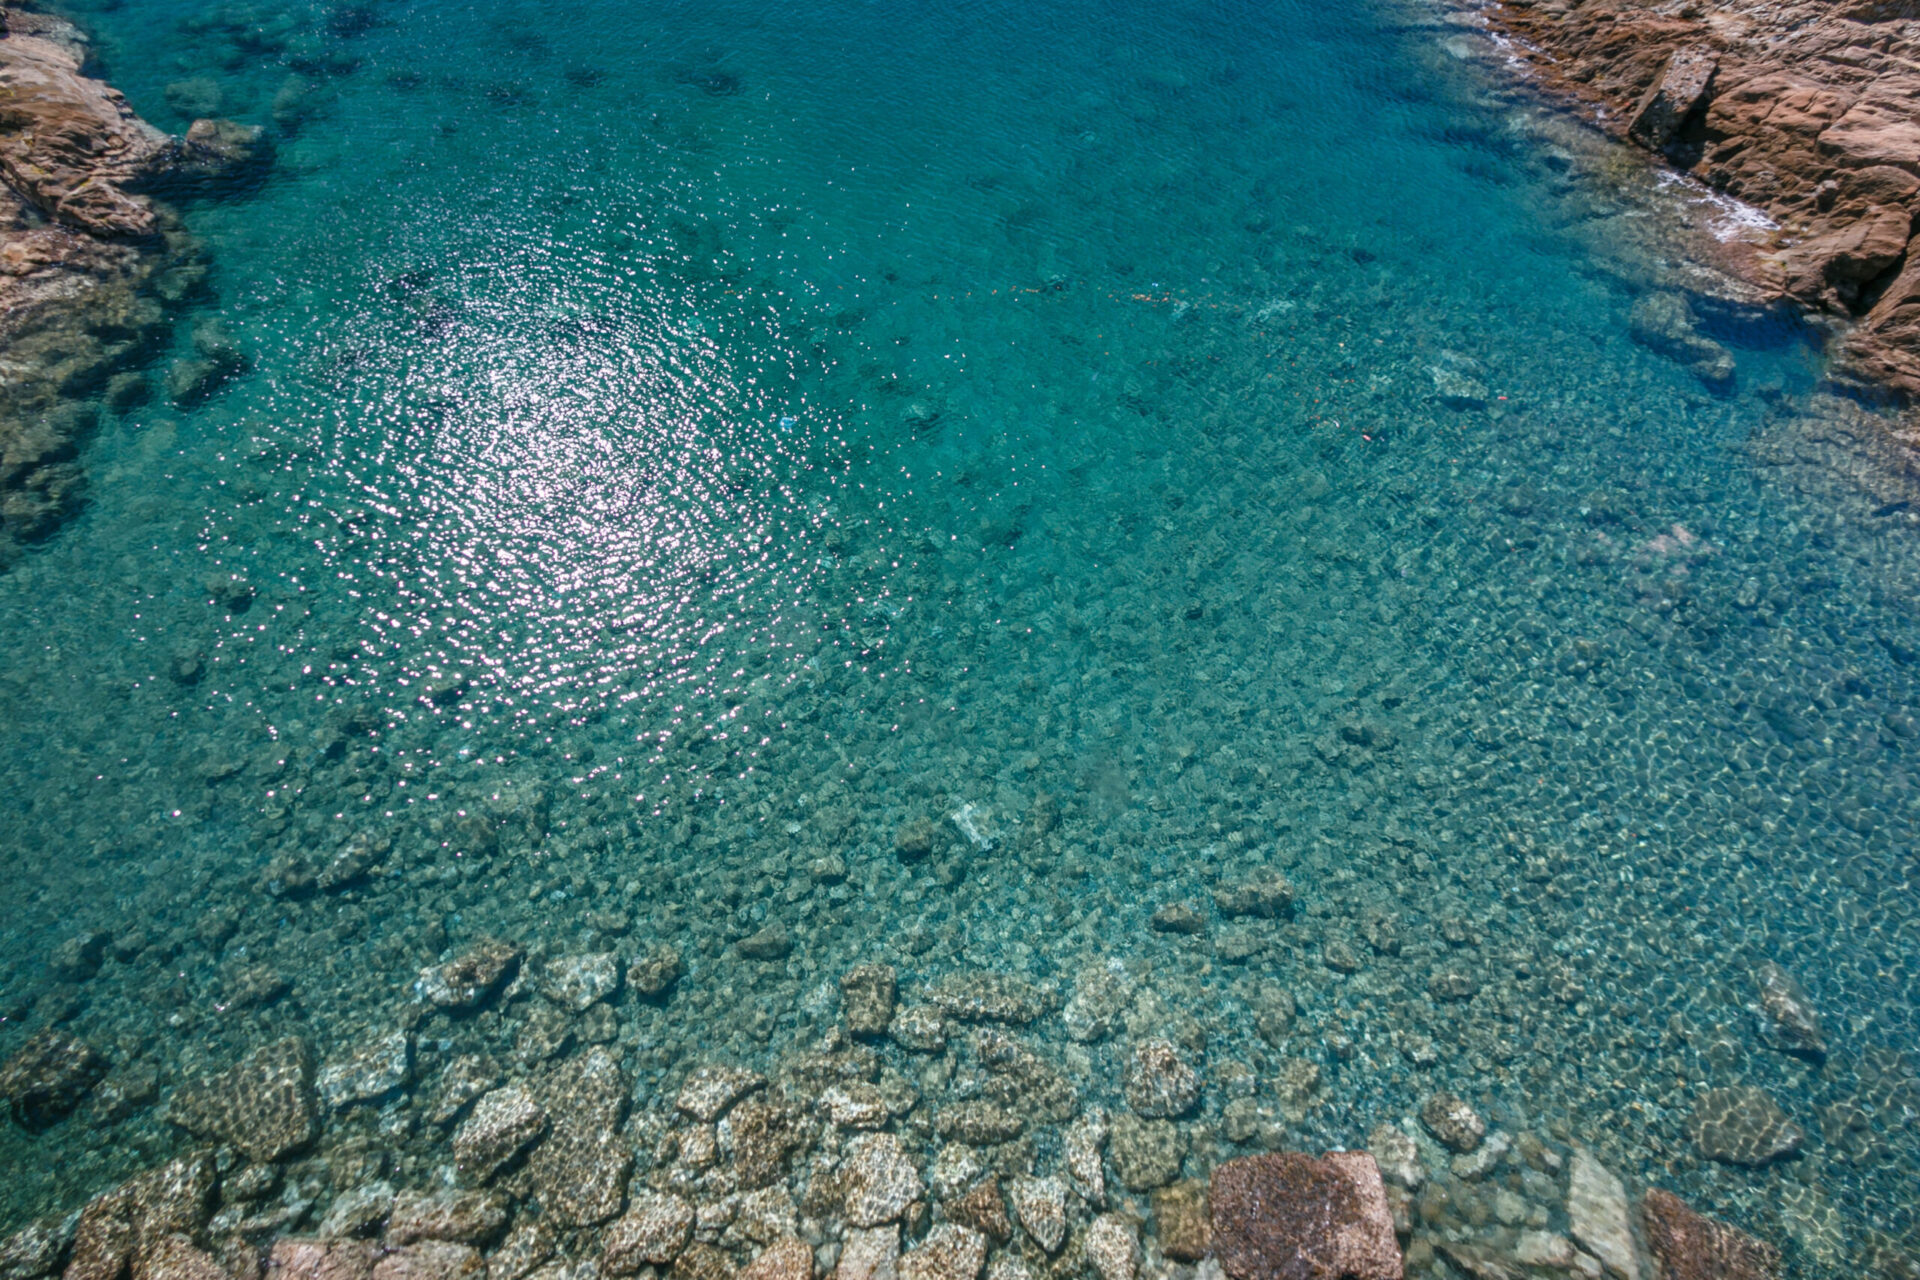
47,1077
1599,1215
471,977
1455,1124
265,1106
1690,1246
1743,1126
1159,1083
1292,1217
1792,1022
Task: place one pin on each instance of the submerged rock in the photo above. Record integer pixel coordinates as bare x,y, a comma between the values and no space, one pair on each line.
1599,1216
950,1252
1792,1023
462,1217
1743,1126
1291,1217
47,1077
989,997
709,1091
369,1073
879,1180
656,971
470,978
1181,1220
1692,1247
264,1106
1454,1123
655,1228
579,1171
504,1123
1663,323
1041,1206
1146,1153
867,995
1113,1247
1159,1084
578,982
1266,894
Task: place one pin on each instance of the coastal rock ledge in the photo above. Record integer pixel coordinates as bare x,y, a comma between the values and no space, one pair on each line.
1805,109
91,261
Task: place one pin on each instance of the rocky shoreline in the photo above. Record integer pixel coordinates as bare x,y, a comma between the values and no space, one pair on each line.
1801,109
92,263
935,1132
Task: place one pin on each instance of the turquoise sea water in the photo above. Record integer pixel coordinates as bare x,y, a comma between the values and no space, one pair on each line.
684,446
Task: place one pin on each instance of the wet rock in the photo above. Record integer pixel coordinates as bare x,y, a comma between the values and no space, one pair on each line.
789,1258
914,840
431,1260
950,1252
1457,381
1181,1218
465,1079
656,971
503,1124
867,997
579,1172
1158,1084
1112,1246
654,1230
1743,1126
1398,1157
117,1225
1273,1010
1451,982
1543,1249
368,1074
1101,994
352,862
980,1123
36,1249
1291,1217
1452,1122
1146,1153
756,1136
1676,92
264,1106
1082,1145
471,978
1692,1247
1598,1214
869,1254
919,1029
989,997
47,1077
1482,1160
358,1211
78,958
879,1180
296,1259
772,942
710,1090
856,1106
1041,1205
982,1208
1663,323
463,1217
1792,1023
176,1257
579,981
1179,917
1267,894
525,1248
701,1261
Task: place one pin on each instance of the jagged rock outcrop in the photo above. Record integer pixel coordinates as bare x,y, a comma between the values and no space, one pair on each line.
1806,109
91,263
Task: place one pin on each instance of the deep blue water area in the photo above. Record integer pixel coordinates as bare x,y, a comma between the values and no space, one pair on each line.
684,450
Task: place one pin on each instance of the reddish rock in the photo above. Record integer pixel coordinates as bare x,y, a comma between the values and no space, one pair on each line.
295,1259
1803,108
789,1258
1692,1247
1289,1216
431,1260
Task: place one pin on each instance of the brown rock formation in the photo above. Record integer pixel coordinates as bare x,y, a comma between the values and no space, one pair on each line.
1691,1247
1806,109
1290,1217
90,264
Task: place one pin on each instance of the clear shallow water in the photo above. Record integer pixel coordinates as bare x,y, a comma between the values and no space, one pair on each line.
683,447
